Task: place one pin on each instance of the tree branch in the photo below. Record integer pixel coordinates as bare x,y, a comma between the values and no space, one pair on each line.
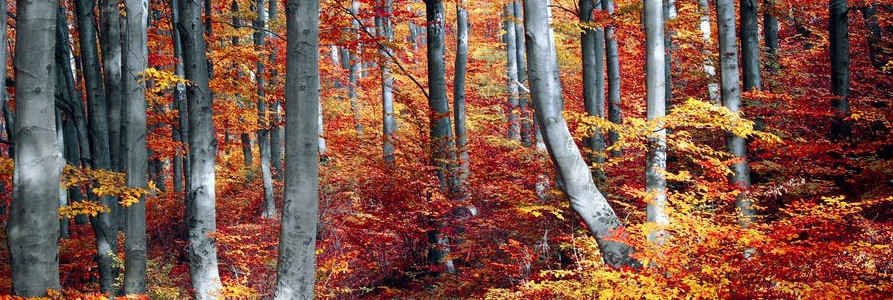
233,25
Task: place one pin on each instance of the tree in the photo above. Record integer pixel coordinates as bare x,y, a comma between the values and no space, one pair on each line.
354,70
592,43
461,67
514,129
103,223
750,46
297,237
840,66
707,37
112,66
135,63
389,121
613,65
521,57
263,134
33,228
200,199
770,35
731,99
545,90
655,80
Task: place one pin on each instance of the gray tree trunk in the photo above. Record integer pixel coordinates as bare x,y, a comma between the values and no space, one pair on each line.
354,71
180,101
389,121
770,36
731,99
545,90
297,238
655,80
523,95
7,114
103,223
613,65
592,44
750,46
840,67
68,95
514,124
669,13
200,198
709,66
276,110
135,63
33,228
112,65
461,67
263,143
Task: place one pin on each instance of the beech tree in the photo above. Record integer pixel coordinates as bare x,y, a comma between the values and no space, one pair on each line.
750,46
297,237
655,80
33,228
136,61
263,134
461,67
545,90
612,58
731,99
200,199
840,66
592,43
389,121
514,128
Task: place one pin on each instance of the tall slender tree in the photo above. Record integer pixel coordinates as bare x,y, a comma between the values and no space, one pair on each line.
200,198
33,228
545,90
770,35
655,81
612,58
181,135
135,63
354,70
461,67
263,134
523,95
297,237
514,124
707,37
592,43
389,121
731,99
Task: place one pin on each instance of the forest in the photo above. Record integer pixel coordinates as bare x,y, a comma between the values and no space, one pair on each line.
446,149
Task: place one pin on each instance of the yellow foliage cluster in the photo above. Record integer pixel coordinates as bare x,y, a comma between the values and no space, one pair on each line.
101,183
163,79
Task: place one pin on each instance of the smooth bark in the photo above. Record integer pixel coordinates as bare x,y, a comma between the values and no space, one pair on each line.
731,99
750,46
592,44
7,114
110,42
656,158
514,123
573,173
33,227
354,71
200,198
389,121
461,68
527,127
840,64
707,37
297,237
770,35
180,103
612,57
263,134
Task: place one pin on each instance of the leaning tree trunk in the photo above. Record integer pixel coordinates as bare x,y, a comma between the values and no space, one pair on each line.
572,170
613,65
200,198
750,46
297,237
389,121
33,228
731,99
135,63
263,134
514,128
655,81
840,67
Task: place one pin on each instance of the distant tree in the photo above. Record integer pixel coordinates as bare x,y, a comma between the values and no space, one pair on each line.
389,121
33,228
511,69
750,46
297,237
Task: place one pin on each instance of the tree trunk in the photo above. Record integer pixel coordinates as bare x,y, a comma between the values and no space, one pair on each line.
200,199
135,63
875,42
103,223
7,114
613,65
275,133
656,159
180,102
573,172
389,121
770,35
514,128
112,63
461,66
297,238
592,44
750,46
709,66
354,71
527,127
65,131
669,13
840,67
33,226
69,97
263,142
731,99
